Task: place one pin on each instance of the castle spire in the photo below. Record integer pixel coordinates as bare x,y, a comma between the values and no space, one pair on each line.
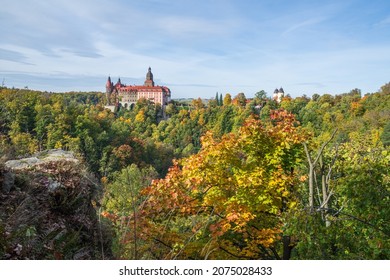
109,88
108,84
149,78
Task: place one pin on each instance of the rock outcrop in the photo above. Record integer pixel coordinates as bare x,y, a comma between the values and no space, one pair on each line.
56,155
47,209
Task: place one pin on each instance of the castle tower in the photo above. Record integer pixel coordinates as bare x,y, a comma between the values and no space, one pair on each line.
149,79
109,88
278,95
275,95
109,85
118,83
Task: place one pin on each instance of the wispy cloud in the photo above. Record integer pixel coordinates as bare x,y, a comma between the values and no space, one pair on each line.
83,53
48,82
13,56
383,22
311,84
194,27
303,24
193,85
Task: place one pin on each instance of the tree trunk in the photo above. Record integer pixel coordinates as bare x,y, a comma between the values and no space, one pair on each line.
311,187
287,247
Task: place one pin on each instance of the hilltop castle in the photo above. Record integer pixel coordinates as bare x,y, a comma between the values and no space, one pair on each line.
129,95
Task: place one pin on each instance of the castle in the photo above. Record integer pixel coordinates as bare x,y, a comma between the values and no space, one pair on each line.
127,96
278,95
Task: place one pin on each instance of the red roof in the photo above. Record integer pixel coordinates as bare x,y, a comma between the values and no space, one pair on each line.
143,88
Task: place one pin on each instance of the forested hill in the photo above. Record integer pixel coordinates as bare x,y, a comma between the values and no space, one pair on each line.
237,179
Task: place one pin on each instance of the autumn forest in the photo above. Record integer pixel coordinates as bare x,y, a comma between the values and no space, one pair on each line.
230,178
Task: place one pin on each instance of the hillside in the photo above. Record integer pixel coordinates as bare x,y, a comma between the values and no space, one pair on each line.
236,178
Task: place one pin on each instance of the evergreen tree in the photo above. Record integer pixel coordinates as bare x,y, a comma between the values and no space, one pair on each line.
386,135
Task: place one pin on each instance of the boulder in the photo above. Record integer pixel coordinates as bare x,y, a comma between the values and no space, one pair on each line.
55,155
47,209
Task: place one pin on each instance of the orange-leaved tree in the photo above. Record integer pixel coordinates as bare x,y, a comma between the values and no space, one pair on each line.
229,200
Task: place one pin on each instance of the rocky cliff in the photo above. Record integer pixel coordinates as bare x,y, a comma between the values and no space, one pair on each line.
47,209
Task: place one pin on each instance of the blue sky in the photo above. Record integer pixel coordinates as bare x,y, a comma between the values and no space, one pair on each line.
197,48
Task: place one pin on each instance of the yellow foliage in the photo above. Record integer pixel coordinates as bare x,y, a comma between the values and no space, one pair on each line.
101,115
241,183
140,117
58,145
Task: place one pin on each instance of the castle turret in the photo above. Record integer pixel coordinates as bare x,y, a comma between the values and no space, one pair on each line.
118,83
275,95
278,95
109,85
149,78
109,88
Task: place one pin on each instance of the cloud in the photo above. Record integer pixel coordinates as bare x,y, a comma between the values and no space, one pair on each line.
192,85
83,53
383,22
49,26
13,56
58,82
303,24
194,27
311,84
195,48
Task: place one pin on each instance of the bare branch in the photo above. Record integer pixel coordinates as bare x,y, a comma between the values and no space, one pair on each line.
234,255
323,147
308,154
327,199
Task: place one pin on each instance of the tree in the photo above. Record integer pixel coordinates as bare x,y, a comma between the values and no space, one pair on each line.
315,97
228,200
227,100
43,118
261,95
225,121
170,109
20,105
23,143
240,99
312,165
362,186
326,98
385,137
355,226
121,206
385,89
197,103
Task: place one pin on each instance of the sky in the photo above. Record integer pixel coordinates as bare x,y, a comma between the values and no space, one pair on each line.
197,48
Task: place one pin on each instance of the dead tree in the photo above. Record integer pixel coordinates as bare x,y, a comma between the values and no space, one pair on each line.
325,174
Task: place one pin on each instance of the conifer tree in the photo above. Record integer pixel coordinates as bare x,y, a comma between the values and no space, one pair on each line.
386,135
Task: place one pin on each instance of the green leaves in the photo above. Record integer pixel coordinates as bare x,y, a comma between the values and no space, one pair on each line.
122,205
353,223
